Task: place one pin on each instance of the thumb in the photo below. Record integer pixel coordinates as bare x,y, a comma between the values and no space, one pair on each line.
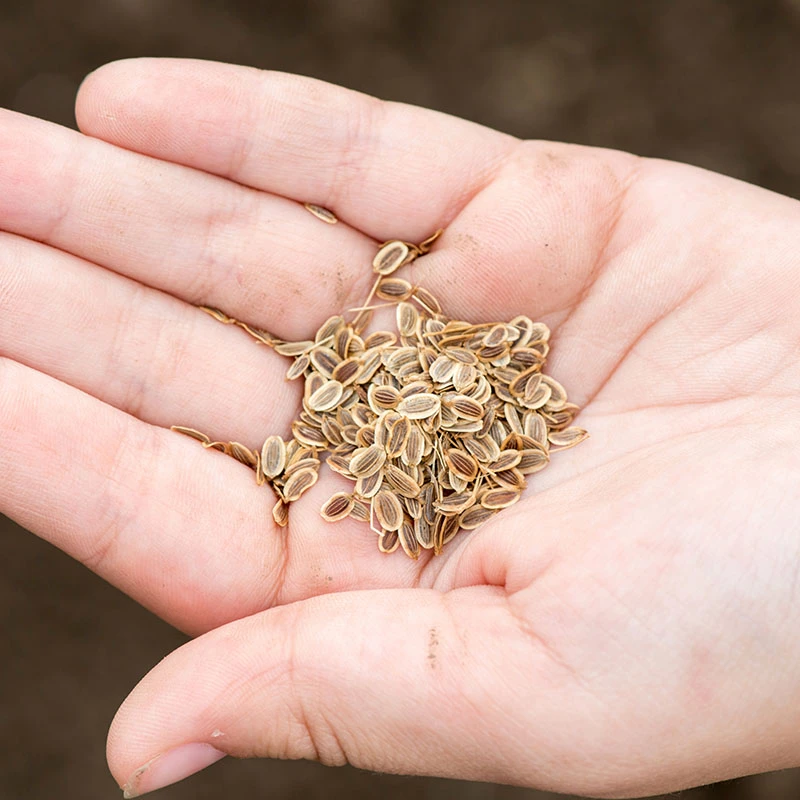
404,681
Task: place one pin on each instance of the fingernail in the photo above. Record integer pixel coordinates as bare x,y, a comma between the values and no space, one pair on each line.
171,767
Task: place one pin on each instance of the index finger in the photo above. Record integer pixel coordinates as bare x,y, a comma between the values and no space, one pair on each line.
388,169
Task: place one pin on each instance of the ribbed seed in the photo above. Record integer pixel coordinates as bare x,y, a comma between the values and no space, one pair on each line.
367,461
337,507
388,510
273,456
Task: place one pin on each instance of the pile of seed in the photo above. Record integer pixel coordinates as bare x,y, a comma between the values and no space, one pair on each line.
437,425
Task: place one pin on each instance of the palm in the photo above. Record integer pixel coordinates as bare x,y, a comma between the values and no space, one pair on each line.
671,293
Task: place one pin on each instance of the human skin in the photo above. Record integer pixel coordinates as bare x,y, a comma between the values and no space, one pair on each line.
630,627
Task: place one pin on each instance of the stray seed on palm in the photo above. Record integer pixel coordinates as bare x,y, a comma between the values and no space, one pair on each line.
569,437
390,257
322,213
201,437
337,507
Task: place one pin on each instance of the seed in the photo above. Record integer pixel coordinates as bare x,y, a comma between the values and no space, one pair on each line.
442,369
388,541
298,368
309,435
499,498
419,406
321,213
531,461
370,485
407,319
423,532
298,483
201,437
388,510
337,507
244,454
427,300
408,540
454,503
280,513
347,371
360,511
273,456
390,257
303,463
474,517
510,479
461,464
325,360
326,397
506,460
398,436
381,398
401,483
569,437
367,461
293,348
497,335
380,339
394,289
466,408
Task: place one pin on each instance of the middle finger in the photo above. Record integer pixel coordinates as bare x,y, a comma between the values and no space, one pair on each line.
207,240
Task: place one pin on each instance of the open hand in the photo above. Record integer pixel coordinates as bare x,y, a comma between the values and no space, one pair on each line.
629,627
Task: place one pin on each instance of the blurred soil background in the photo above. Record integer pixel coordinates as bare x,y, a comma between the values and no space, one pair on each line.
704,81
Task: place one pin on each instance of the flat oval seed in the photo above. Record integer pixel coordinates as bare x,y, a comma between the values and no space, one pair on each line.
388,510
299,483
461,464
401,483
380,339
496,336
532,461
423,532
398,436
569,437
326,397
415,446
293,348
337,507
347,371
390,257
394,289
407,319
427,300
474,517
466,408
419,406
442,369
367,461
201,437
507,460
322,213
280,513
499,498
298,368
273,456
388,541
408,541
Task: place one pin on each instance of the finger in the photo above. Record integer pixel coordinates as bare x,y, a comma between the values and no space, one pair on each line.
407,681
193,235
386,168
138,349
185,532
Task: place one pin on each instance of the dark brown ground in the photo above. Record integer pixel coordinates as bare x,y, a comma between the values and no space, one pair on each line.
703,81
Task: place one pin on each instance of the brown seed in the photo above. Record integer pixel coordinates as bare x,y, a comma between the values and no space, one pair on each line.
423,532
535,427
201,437
464,376
506,460
569,437
398,437
415,447
466,408
322,213
326,397
399,482
347,371
427,300
454,503
442,369
367,461
461,464
474,517
298,483
244,454
325,360
298,368
390,257
407,319
308,435
510,479
360,511
499,498
408,540
303,463
380,339
381,398
388,541
497,335
337,507
293,348
370,485
394,289
539,397
273,456
280,513
419,406
517,386
532,461
388,510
